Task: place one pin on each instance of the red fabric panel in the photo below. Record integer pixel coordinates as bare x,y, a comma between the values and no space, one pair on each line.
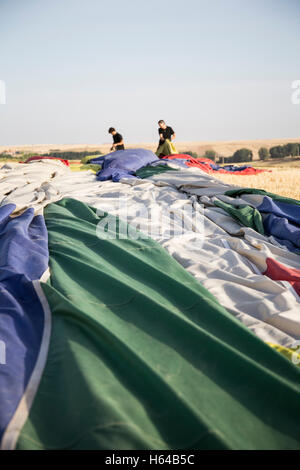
280,272
204,164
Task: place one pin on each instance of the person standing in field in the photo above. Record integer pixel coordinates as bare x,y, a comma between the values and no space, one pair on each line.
166,135
117,138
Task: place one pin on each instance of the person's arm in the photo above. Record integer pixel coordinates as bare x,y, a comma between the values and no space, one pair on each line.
173,136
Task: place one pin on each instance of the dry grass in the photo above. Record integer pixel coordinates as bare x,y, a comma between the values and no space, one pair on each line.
285,182
287,163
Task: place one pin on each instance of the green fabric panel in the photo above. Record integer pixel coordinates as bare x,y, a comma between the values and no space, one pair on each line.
276,197
148,171
247,215
143,357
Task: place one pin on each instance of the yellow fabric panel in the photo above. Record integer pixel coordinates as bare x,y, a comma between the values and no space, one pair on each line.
293,354
167,148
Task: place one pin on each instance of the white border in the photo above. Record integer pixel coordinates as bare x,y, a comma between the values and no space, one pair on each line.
2,92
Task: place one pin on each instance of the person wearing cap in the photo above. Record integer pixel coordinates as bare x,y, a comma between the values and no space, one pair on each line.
117,138
165,145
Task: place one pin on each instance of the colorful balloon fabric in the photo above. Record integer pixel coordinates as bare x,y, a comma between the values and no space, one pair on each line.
156,312
209,166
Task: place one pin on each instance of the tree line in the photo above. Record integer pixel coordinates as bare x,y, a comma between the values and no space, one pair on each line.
280,151
246,155
241,155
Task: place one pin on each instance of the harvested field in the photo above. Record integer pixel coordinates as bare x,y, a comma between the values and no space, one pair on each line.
283,181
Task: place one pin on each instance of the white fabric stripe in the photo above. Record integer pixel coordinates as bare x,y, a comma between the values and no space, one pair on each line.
13,430
45,275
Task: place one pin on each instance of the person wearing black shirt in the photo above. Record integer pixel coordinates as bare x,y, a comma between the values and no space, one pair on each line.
117,138
165,132
166,135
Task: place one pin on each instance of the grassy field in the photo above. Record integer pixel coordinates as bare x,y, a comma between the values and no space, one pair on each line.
286,163
284,181
284,178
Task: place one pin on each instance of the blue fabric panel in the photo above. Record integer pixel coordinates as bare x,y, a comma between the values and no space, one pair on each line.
235,168
280,227
159,162
289,245
98,160
281,209
23,258
229,168
117,175
124,161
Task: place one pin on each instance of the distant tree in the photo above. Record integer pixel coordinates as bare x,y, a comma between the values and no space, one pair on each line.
278,151
242,155
211,154
221,160
291,150
263,153
295,150
287,149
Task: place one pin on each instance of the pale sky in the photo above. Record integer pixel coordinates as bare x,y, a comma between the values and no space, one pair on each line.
213,70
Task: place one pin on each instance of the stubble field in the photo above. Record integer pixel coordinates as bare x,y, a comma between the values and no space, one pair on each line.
282,181
284,178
